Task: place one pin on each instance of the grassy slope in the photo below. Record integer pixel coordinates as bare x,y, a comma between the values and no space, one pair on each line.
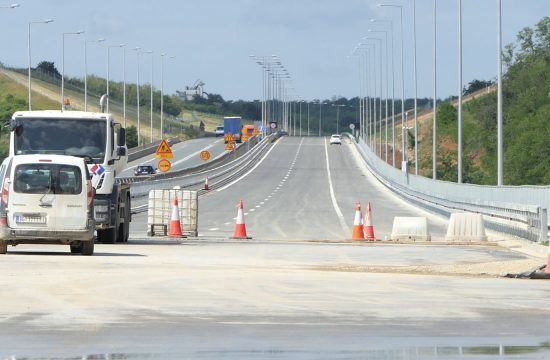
48,96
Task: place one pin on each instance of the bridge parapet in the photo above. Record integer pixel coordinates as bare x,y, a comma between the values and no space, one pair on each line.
517,211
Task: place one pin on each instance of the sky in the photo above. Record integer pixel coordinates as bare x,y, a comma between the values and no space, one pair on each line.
212,40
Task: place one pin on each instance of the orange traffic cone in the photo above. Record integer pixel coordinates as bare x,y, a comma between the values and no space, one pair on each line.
368,229
175,226
206,184
357,232
240,227
548,261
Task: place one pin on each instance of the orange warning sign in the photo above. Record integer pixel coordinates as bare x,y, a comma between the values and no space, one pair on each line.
164,165
164,151
229,146
205,155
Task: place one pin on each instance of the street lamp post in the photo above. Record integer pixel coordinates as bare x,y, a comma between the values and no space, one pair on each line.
308,134
124,84
63,64
500,159
402,68
338,106
320,109
86,42
387,86
29,52
151,108
434,111
108,69
162,93
393,89
137,50
459,150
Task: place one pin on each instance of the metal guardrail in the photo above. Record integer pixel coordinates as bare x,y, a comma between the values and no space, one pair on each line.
523,219
220,171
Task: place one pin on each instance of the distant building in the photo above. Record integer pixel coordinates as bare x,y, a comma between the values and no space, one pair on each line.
191,91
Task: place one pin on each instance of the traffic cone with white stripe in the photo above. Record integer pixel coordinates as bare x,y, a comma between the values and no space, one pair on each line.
240,227
206,184
368,229
175,225
357,232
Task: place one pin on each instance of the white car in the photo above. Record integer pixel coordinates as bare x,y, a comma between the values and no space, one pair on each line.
336,139
219,131
47,199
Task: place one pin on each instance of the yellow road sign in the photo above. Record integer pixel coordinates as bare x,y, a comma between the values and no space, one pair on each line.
228,138
205,155
229,146
164,151
164,165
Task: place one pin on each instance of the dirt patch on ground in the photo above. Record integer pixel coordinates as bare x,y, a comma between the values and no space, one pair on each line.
486,269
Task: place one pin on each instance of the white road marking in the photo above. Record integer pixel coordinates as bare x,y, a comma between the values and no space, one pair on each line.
213,229
332,196
249,171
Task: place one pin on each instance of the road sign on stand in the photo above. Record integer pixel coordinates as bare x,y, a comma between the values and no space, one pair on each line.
164,151
229,146
205,155
228,138
164,165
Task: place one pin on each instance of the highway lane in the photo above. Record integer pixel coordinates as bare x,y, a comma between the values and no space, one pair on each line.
186,154
291,195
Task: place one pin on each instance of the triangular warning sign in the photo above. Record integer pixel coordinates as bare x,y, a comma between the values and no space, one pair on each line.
164,151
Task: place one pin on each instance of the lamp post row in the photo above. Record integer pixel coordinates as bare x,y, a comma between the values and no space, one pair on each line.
86,42
367,116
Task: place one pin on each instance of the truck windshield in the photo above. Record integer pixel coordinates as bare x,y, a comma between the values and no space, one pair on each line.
75,137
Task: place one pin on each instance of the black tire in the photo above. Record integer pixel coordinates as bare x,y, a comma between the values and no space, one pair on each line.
87,248
124,227
76,248
107,236
3,247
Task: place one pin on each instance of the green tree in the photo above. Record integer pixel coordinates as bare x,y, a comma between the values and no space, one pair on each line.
446,114
131,137
49,68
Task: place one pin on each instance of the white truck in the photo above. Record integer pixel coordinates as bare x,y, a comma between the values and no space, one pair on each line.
100,141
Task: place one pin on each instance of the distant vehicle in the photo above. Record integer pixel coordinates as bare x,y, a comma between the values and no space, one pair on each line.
232,125
47,199
282,133
335,139
219,131
144,170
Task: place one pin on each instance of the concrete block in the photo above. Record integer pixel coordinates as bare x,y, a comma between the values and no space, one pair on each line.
410,228
466,227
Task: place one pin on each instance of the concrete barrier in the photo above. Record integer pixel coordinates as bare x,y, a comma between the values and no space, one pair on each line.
410,228
466,227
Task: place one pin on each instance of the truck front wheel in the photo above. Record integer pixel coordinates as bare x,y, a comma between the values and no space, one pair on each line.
107,236
3,247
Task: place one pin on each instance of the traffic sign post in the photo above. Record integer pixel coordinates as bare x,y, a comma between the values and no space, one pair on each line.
164,165
204,155
164,151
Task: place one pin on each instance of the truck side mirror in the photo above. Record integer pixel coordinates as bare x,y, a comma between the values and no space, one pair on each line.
121,138
16,126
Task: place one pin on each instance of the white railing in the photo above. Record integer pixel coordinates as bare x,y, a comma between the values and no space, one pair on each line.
519,211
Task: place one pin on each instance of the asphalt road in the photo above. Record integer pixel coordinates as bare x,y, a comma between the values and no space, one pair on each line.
298,290
186,154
